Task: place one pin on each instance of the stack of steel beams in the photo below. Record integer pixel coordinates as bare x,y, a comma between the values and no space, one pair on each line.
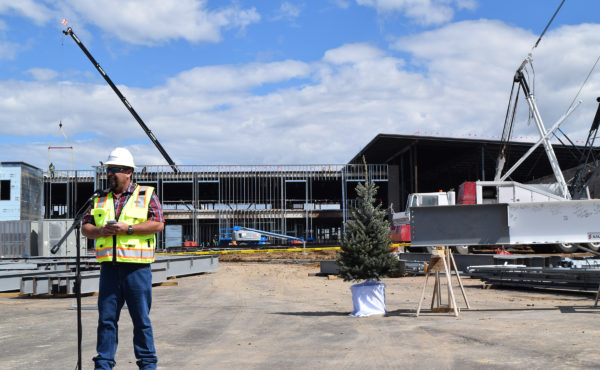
583,279
56,276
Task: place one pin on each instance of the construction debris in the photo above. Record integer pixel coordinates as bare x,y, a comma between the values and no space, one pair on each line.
573,275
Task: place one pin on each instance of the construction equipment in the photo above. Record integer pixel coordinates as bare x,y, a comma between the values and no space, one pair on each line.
244,235
588,162
519,79
502,191
509,213
400,223
69,32
470,192
440,198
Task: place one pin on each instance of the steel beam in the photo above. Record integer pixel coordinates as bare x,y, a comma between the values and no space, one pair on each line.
58,277
570,221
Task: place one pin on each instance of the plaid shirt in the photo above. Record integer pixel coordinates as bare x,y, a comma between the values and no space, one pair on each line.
154,208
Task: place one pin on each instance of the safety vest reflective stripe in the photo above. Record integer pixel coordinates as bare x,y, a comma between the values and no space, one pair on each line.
101,201
104,252
135,253
141,202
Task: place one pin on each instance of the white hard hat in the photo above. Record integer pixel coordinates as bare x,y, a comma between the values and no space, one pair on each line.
120,157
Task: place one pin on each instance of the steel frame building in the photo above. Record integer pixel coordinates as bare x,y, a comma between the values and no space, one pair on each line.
306,201
429,163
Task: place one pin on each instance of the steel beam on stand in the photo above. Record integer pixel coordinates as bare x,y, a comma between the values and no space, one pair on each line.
50,277
11,280
63,283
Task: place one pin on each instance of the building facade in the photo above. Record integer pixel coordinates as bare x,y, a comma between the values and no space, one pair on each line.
202,204
21,190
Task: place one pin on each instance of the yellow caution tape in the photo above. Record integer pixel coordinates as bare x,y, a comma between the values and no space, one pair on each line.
251,251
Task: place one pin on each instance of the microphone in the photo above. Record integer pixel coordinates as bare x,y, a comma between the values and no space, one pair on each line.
99,193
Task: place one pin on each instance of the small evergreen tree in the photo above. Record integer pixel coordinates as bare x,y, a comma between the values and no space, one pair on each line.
365,253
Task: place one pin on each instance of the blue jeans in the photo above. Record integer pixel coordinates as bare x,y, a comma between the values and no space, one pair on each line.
121,283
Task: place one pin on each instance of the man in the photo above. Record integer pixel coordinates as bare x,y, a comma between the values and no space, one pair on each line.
124,223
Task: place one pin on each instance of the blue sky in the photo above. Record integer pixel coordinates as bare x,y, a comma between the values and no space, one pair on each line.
282,82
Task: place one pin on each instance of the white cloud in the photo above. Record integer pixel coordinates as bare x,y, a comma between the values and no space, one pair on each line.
473,64
29,9
287,11
464,51
232,78
156,21
353,53
9,50
425,12
26,8
453,81
42,74
344,4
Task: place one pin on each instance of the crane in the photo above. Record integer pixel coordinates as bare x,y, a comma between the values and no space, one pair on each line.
69,32
588,162
520,83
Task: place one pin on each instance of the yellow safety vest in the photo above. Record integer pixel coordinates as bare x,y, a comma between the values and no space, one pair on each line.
125,248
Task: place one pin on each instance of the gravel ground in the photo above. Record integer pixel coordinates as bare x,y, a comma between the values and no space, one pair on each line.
280,315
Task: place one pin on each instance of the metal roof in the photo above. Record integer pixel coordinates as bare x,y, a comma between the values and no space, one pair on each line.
443,163
19,164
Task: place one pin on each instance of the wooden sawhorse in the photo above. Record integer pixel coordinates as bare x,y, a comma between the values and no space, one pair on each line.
442,260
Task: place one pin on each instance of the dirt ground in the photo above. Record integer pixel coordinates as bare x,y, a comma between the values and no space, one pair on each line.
280,315
309,255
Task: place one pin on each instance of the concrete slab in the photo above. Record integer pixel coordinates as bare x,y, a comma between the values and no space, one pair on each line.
265,316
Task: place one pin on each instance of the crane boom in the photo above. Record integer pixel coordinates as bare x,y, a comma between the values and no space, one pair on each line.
588,162
69,32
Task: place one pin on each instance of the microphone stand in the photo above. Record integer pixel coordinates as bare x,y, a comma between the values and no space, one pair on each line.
77,227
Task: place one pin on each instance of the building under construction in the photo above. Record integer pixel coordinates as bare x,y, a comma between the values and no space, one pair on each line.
202,204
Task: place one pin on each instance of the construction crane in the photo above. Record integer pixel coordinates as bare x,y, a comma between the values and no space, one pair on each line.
520,83
588,163
69,32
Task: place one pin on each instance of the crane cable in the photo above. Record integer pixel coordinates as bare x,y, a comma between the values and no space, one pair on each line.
510,113
529,57
584,82
68,145
533,77
540,39
548,25
572,103
580,88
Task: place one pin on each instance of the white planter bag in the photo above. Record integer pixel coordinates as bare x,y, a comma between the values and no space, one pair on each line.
368,298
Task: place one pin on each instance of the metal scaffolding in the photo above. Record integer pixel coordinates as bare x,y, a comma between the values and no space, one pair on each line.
306,201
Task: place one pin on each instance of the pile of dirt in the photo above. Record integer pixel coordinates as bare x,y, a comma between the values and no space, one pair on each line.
258,255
